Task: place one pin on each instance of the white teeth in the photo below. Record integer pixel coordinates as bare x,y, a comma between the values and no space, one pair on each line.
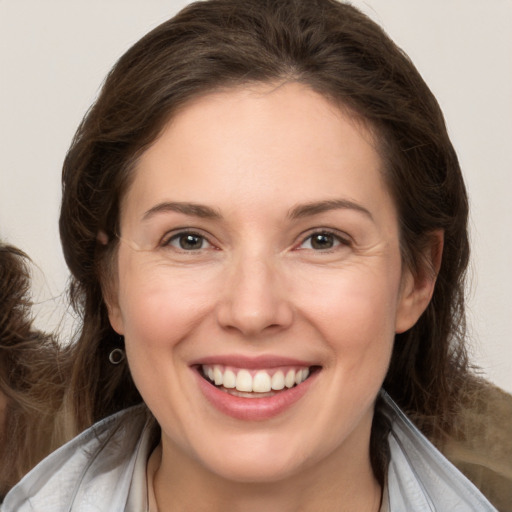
244,381
217,376
278,381
261,382
229,380
301,375
289,380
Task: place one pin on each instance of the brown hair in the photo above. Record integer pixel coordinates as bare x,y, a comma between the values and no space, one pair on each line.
31,377
340,53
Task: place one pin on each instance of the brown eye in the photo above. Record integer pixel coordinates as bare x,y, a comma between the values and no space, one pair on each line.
321,241
188,241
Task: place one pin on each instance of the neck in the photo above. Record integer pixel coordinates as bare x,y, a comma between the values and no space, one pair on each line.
328,486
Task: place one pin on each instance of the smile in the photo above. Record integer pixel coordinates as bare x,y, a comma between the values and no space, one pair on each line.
251,383
254,391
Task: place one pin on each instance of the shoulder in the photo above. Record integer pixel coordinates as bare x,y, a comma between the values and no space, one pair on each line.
420,478
91,460
481,444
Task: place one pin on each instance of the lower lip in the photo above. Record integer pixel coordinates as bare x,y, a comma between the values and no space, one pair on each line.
253,409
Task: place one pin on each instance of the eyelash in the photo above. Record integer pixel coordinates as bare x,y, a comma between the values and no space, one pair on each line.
167,241
336,237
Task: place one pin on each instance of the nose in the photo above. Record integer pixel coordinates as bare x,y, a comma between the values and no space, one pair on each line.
254,300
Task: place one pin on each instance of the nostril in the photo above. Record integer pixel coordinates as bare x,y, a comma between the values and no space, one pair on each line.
252,299
252,317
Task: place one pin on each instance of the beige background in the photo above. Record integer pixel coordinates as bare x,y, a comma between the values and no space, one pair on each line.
54,55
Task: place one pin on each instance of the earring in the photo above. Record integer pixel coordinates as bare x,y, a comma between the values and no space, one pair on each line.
116,356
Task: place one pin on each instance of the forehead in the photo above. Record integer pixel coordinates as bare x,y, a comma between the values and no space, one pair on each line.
272,139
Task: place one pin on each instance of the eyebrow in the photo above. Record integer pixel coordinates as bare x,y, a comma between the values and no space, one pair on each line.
300,211
194,209
315,208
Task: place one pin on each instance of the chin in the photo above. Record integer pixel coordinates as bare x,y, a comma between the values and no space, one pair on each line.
258,459
256,471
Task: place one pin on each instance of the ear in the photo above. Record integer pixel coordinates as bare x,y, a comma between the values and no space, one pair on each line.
102,237
109,290
116,318
110,296
417,287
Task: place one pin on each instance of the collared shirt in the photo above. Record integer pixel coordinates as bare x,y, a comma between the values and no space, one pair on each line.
105,469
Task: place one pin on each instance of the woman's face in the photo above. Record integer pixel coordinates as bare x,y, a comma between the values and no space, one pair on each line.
260,250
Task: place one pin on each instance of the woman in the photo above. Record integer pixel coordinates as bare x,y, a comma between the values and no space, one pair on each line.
32,382
266,224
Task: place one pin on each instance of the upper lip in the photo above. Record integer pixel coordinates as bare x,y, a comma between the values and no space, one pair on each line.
258,362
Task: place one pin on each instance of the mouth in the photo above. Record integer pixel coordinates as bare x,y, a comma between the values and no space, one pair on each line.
255,383
255,388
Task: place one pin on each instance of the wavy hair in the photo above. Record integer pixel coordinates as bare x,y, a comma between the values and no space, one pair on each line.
338,52
33,378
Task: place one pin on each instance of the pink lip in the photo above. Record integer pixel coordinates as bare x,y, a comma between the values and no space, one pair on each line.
251,363
254,409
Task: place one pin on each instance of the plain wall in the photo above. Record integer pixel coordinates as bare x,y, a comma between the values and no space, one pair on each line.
55,54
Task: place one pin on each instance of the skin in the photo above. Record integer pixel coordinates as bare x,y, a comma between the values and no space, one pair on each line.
254,285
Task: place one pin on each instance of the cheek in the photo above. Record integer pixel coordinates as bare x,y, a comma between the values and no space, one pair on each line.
355,309
361,335
160,304
354,313
155,312
159,312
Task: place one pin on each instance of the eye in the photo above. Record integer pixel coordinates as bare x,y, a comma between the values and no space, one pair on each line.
323,241
188,241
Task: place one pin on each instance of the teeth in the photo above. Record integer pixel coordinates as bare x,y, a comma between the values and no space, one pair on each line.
244,381
301,375
261,382
289,380
229,380
278,381
217,376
